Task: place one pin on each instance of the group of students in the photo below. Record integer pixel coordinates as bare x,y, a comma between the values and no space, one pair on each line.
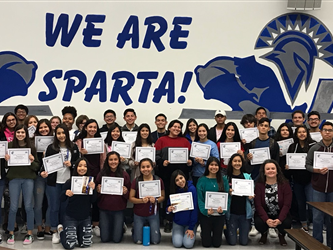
71,219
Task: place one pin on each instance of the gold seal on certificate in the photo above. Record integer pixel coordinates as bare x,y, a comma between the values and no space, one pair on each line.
94,145
53,163
3,148
122,148
200,150
149,188
42,142
259,155
145,152
80,185
112,185
178,155
215,200
19,157
181,201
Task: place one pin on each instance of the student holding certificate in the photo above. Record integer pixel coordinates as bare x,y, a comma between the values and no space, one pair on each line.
272,201
111,206
211,222
184,222
191,130
199,163
240,214
21,178
9,122
77,222
143,139
56,180
146,206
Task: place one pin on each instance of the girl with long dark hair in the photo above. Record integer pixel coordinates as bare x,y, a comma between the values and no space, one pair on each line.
191,130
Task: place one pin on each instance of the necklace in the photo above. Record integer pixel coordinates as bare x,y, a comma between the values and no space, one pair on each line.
211,182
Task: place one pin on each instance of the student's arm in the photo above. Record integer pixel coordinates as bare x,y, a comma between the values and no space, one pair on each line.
194,212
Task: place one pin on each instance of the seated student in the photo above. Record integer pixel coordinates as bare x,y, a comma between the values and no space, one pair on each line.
215,132
109,118
262,113
160,122
272,201
80,121
129,117
69,114
21,111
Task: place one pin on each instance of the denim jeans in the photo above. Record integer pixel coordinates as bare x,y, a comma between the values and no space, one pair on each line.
319,218
39,190
15,187
303,194
57,208
76,230
179,238
154,223
2,188
111,225
235,222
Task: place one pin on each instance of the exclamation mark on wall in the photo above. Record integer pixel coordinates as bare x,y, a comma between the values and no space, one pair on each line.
185,84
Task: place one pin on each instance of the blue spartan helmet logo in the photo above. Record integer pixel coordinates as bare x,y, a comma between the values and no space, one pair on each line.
16,75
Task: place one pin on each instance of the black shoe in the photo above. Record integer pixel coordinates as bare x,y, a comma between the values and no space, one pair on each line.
48,234
167,227
40,235
282,240
263,239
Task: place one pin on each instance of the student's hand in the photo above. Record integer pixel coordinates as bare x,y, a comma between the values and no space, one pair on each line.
98,188
145,199
276,222
44,174
83,151
92,185
286,167
67,163
189,162
152,199
251,197
136,163
125,190
199,160
323,171
189,233
230,191
171,208
31,158
122,159
270,223
240,152
249,156
243,141
7,157
210,211
220,210
69,193
166,163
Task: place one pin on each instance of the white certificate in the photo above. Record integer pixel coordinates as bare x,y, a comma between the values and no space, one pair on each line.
19,157
182,201
178,155
104,134
242,187
53,163
284,145
42,142
227,149
296,160
129,136
112,185
31,131
145,152
200,150
249,134
316,136
122,148
323,160
259,155
80,185
3,148
94,145
215,200
149,188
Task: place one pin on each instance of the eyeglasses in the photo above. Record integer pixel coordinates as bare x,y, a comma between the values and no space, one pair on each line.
327,130
313,119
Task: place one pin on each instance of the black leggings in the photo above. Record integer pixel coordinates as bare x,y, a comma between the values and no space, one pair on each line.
262,226
211,230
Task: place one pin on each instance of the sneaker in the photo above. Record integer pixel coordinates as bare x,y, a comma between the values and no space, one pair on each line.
199,229
55,238
282,240
97,231
167,227
263,239
48,234
0,238
11,240
40,235
24,229
305,227
311,226
124,228
272,233
28,239
253,231
60,228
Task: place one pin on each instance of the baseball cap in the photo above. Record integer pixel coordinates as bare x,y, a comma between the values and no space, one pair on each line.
220,112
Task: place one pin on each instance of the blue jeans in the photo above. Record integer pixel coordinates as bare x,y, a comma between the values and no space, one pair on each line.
111,225
15,187
235,222
39,190
2,188
319,218
303,194
154,223
73,230
179,238
57,208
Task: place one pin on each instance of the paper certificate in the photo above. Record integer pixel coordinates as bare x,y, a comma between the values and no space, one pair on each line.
3,148
200,150
259,155
215,200
182,201
242,187
296,160
284,145
316,136
94,145
149,188
31,131
323,160
129,136
178,155
53,163
249,134
227,149
145,152
42,142
80,185
112,185
19,157
104,134
122,148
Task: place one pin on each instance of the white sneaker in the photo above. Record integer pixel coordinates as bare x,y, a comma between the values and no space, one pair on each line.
24,229
311,226
253,231
199,229
272,233
97,231
55,238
